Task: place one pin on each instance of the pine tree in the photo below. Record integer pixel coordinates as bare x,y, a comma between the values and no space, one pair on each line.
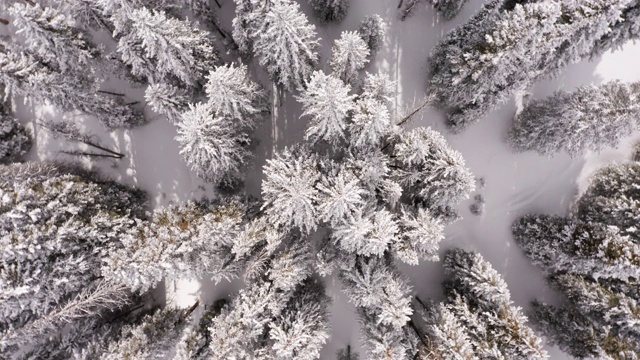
589,118
51,36
289,189
370,123
248,15
472,71
15,141
329,10
448,8
347,354
186,242
158,47
196,338
419,237
372,30
340,196
231,92
168,100
595,263
385,342
348,56
447,333
285,44
327,102
627,28
155,337
67,222
483,316
376,285
367,233
211,144
428,169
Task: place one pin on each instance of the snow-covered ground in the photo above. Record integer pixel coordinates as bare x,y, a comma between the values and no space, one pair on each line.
516,184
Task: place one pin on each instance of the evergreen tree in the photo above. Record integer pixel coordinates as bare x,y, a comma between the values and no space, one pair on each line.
196,338
372,30
586,119
627,28
327,102
15,141
57,232
211,144
167,99
448,8
189,241
289,190
428,169
478,317
370,123
248,15
329,10
348,56
51,36
347,354
285,44
231,92
472,70
385,342
158,47
595,263
340,196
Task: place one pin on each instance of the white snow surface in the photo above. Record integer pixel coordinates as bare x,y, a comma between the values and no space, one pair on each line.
516,184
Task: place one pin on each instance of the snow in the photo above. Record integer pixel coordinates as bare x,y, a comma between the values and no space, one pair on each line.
516,184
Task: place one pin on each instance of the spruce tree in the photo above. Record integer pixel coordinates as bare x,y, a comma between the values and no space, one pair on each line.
15,141
231,92
626,29
589,118
58,232
329,10
348,56
372,30
448,8
595,264
167,99
472,71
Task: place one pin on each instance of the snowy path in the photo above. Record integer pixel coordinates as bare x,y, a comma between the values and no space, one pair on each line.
516,184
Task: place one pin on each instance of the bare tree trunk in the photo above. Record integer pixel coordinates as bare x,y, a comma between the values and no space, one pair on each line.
217,3
110,93
90,154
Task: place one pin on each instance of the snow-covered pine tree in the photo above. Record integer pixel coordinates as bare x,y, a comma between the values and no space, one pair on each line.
158,47
372,30
595,263
472,71
447,334
302,328
329,10
589,118
289,189
626,29
368,232
285,43
479,299
168,100
327,102
67,222
383,341
448,8
428,169
22,74
406,8
52,37
180,242
340,195
371,122
231,92
196,338
15,141
248,15
155,337
213,145
376,285
348,56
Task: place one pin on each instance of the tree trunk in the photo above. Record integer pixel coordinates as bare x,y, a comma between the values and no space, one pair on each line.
110,93
90,154
217,3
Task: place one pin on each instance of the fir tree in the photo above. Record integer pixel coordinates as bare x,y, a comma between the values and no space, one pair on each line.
289,189
341,196
285,44
211,144
158,47
186,242
595,263
348,56
372,30
472,71
586,119
231,92
626,29
385,342
15,141
328,103
168,100
51,36
67,222
370,123
329,10
347,354
428,169
448,8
